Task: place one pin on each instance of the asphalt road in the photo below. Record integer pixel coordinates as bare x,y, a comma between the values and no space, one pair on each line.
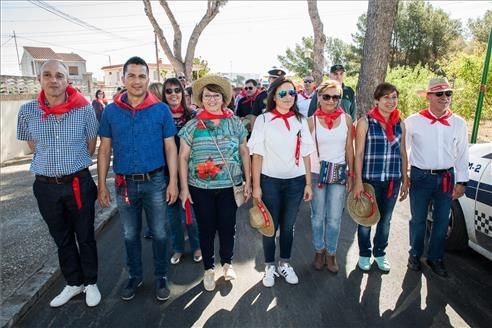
350,299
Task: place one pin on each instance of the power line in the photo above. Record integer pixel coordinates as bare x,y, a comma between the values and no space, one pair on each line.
7,41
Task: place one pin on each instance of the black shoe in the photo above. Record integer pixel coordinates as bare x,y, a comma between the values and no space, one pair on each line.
131,287
162,292
414,263
438,267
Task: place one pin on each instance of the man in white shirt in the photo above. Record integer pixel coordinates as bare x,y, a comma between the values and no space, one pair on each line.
438,145
304,97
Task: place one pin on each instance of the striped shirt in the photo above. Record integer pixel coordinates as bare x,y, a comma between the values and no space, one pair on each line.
382,159
61,144
206,167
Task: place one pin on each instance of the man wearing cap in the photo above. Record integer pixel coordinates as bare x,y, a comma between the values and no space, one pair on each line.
251,105
61,129
438,146
275,73
140,130
337,73
304,97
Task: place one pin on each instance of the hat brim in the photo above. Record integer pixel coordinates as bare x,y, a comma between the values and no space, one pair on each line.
267,231
201,83
366,221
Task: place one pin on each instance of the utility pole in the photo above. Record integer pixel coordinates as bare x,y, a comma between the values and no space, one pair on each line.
17,50
157,58
109,57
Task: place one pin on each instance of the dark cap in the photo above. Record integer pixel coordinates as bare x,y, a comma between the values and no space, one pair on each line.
337,67
277,72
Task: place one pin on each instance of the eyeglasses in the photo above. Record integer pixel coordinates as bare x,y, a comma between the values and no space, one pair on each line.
448,93
284,93
248,88
328,97
171,91
308,81
181,78
209,97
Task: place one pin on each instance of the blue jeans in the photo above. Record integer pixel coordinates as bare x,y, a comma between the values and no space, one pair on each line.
385,205
326,214
424,189
176,216
282,197
149,196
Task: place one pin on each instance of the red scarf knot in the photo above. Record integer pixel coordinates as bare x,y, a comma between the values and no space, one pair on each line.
393,119
74,100
205,115
177,110
284,117
305,96
443,119
122,101
251,99
329,118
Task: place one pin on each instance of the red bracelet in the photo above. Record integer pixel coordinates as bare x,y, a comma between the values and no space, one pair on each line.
350,174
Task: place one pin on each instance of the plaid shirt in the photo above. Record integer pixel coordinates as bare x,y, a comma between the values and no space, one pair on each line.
382,159
61,144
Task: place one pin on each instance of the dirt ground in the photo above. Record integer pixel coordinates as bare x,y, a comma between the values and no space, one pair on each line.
484,130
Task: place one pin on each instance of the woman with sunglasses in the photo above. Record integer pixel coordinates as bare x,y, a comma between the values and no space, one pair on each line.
99,103
212,158
332,168
380,160
174,96
281,144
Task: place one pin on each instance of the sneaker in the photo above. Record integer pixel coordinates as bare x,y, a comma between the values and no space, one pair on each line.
229,273
414,263
364,263
131,288
382,263
162,292
438,267
286,271
66,295
92,295
269,276
197,256
176,258
209,280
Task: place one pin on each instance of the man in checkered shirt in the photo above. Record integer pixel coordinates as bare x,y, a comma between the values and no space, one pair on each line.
61,129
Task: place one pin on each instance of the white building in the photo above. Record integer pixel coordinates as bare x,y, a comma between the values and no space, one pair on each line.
34,57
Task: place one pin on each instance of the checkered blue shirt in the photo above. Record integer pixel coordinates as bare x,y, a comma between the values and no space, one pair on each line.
382,159
61,144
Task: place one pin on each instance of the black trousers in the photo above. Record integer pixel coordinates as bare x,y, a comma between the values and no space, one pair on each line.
68,224
215,211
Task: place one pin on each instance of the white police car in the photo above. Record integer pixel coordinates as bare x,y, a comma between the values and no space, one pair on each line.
471,215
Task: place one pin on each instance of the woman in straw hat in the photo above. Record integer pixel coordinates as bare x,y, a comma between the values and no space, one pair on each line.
332,131
280,145
381,161
212,159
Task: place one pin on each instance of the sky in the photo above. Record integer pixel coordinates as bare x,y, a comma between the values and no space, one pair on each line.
245,37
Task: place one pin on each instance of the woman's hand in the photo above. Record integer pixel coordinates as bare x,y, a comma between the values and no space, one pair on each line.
308,193
257,193
358,188
247,191
405,186
184,195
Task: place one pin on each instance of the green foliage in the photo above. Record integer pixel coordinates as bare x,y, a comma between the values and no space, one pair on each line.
480,28
299,60
339,52
204,69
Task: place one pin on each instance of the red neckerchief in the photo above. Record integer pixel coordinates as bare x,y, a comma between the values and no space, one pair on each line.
392,120
205,115
303,93
443,119
277,114
74,100
122,98
329,118
177,110
249,99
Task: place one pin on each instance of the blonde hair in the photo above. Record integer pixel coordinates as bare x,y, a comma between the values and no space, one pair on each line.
329,84
156,89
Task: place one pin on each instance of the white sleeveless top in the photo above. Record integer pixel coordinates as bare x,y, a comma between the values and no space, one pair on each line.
331,143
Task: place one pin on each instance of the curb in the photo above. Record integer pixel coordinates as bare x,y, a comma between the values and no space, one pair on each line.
24,297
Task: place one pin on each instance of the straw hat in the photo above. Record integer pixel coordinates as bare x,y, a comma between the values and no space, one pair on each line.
201,83
365,210
435,85
261,219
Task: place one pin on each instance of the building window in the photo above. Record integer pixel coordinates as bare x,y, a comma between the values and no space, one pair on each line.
110,73
73,70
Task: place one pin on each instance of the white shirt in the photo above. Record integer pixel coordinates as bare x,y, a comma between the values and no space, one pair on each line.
277,145
303,103
438,146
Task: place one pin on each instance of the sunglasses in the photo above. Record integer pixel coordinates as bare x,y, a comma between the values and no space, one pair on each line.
284,93
308,81
248,88
448,93
328,97
171,91
181,78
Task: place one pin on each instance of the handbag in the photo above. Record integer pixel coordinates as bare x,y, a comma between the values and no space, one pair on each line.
330,173
237,190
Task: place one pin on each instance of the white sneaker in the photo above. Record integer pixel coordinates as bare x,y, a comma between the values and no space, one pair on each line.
269,276
229,273
92,295
286,271
209,280
383,263
66,295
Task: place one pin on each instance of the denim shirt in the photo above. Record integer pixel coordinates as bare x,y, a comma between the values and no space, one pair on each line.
137,136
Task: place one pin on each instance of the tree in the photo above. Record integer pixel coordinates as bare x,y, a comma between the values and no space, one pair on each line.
239,80
381,16
339,52
299,60
319,42
175,56
480,27
203,70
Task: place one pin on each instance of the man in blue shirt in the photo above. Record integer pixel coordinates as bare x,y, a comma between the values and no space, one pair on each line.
140,130
61,129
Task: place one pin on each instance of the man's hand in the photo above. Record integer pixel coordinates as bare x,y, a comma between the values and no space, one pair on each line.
172,193
458,191
103,196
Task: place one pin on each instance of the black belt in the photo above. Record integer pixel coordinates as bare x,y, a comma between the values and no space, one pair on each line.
64,179
141,176
434,172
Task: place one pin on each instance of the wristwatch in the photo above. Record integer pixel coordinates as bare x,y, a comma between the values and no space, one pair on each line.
464,184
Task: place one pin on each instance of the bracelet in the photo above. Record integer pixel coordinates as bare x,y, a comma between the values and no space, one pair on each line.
350,174
308,184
